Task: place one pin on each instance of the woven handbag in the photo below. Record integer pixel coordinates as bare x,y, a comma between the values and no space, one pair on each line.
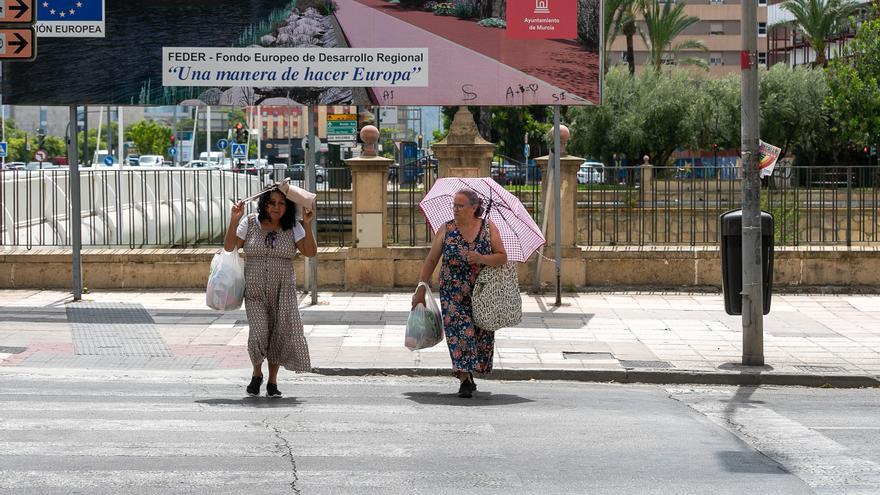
495,299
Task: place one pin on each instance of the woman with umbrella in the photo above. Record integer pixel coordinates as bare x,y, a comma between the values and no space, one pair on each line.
466,243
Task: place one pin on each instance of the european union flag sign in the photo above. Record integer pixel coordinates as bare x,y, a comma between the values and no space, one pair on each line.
70,18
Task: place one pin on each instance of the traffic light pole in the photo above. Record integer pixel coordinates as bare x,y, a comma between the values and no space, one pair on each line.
752,292
75,209
311,178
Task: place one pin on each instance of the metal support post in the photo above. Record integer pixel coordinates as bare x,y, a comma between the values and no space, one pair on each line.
311,178
752,293
75,208
557,201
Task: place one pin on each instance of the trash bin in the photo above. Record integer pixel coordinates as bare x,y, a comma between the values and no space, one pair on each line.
731,259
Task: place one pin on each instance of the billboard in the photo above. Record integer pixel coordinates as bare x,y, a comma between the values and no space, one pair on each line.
326,52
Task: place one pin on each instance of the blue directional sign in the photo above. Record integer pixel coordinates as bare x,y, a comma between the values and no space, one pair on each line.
3,150
172,151
222,144
108,160
526,150
238,151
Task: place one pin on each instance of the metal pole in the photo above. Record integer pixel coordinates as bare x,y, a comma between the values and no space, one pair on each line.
176,141
75,213
120,125
208,131
311,156
289,132
557,201
849,192
86,153
109,132
752,294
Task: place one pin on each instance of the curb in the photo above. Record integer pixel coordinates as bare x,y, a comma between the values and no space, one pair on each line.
632,376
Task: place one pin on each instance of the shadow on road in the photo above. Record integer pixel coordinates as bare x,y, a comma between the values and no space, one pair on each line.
255,402
479,399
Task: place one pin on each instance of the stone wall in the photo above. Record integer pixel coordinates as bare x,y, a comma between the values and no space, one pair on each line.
398,267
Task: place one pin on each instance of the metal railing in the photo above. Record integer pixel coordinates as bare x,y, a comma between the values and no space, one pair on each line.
680,206
180,207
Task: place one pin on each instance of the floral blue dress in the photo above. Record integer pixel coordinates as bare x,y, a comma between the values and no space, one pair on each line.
470,348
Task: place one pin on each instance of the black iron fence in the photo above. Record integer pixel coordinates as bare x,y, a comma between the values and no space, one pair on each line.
678,206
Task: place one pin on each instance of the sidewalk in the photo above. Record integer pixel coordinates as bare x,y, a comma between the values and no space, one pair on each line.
627,337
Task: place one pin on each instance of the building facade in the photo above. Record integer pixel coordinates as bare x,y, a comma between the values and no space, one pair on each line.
719,28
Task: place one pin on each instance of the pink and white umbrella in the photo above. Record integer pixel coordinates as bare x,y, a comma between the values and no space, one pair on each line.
519,232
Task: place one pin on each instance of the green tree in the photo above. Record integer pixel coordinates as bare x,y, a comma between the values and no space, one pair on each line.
150,138
793,111
854,87
819,21
714,117
663,24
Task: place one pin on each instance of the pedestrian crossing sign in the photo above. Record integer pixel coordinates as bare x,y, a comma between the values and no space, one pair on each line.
3,153
238,151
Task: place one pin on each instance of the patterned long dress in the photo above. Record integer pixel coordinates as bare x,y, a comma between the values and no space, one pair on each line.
276,329
470,348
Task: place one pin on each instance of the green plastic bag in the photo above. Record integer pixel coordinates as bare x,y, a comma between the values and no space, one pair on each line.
424,327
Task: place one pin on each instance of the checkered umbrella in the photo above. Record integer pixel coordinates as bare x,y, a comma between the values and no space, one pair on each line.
519,232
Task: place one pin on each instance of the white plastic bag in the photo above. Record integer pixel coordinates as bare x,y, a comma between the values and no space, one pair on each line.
424,327
226,282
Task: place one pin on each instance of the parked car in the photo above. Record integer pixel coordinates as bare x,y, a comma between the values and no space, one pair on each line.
509,174
202,164
591,173
297,172
40,166
14,166
151,161
132,160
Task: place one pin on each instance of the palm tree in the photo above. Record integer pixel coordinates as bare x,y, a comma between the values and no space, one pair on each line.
818,21
663,24
616,13
627,22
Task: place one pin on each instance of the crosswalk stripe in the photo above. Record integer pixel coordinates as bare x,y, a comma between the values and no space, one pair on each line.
239,426
71,480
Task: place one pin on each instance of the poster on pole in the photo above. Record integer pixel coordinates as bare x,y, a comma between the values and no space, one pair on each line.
349,52
767,157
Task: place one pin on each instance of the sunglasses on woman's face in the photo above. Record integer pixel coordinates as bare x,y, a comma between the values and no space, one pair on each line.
271,237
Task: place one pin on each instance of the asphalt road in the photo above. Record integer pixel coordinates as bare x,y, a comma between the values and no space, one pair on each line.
67,431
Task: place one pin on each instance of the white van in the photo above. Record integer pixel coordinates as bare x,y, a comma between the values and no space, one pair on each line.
213,156
151,160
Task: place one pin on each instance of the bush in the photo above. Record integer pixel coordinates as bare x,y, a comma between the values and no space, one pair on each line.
429,6
445,8
465,9
493,22
324,7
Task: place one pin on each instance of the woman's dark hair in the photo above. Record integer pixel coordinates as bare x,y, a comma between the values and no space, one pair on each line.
473,200
288,220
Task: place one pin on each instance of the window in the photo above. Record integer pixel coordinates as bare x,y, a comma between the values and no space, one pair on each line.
762,2
762,58
623,56
715,59
716,2
716,28
762,29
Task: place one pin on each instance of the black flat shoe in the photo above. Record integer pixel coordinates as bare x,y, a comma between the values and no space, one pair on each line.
254,388
466,389
272,391
473,383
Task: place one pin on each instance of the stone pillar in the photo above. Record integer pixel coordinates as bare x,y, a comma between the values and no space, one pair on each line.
369,198
646,182
463,153
569,166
